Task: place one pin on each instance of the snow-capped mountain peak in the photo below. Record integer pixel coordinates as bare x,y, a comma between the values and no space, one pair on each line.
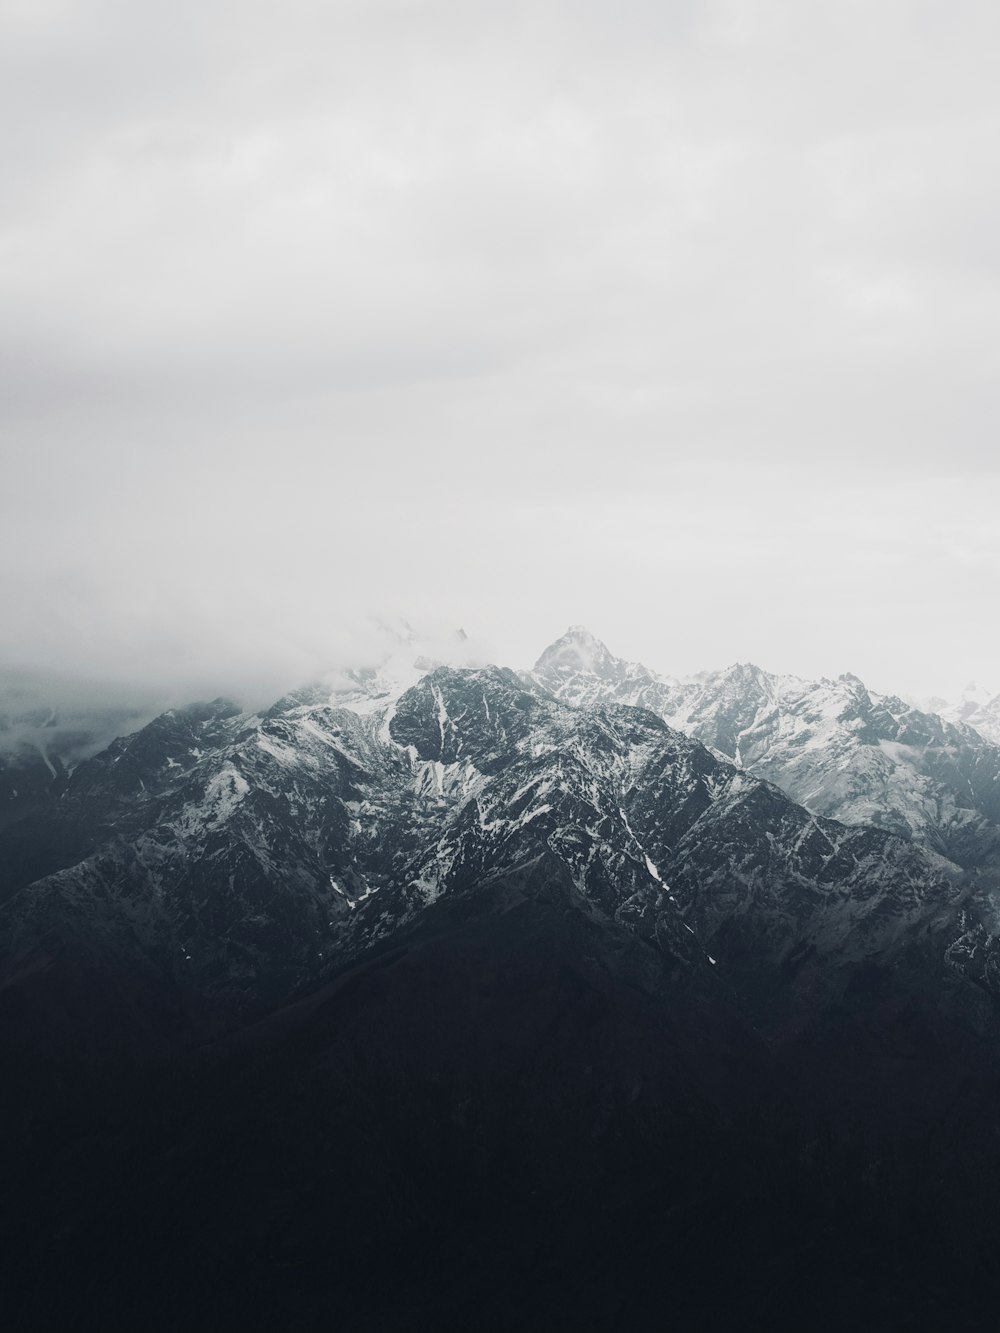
832,744
578,652
977,707
579,669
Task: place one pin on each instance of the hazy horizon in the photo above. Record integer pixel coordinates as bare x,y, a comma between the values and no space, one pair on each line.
680,322
81,700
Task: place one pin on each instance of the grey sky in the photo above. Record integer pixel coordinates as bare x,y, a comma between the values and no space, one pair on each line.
677,319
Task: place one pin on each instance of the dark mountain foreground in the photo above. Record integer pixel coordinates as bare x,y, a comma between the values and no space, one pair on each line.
513,1119
467,1007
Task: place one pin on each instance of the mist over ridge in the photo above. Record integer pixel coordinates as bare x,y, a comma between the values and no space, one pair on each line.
676,324
376,952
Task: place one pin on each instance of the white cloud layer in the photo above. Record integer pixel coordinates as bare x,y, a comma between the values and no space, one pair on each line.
677,319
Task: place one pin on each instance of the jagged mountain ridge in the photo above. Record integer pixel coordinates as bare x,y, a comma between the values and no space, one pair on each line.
243,854
977,708
832,745
40,744
340,1012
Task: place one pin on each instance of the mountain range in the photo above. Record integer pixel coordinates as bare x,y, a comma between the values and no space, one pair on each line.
567,936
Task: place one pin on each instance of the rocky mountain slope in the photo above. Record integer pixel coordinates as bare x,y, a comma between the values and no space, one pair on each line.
832,745
41,742
977,708
340,1013
242,855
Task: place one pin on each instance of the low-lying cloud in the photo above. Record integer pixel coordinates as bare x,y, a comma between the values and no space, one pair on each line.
676,320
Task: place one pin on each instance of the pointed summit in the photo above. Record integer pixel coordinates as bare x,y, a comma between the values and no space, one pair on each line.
578,652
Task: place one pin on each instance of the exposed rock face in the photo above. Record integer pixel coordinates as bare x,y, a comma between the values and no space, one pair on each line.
977,708
41,744
244,855
340,1013
833,746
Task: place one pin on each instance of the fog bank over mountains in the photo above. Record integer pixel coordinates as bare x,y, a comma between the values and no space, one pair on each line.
678,323
60,720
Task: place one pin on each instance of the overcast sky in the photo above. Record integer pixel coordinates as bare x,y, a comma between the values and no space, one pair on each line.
676,318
